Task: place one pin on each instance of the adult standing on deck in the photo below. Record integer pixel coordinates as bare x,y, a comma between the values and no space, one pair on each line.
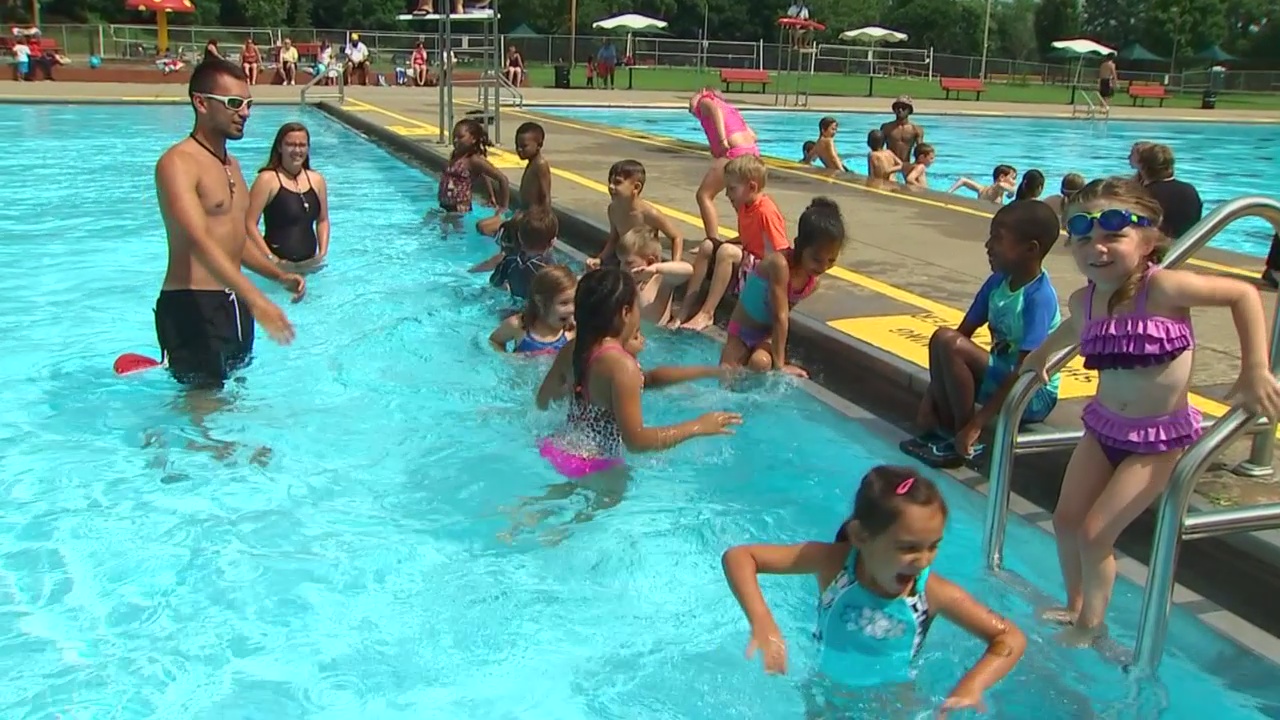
901,135
207,307
1107,79
607,62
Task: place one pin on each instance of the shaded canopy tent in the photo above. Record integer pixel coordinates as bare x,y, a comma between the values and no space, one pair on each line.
161,8
1214,54
1079,48
1134,52
524,31
873,34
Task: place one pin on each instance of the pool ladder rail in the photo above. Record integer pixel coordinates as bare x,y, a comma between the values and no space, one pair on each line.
1090,110
340,94
1173,522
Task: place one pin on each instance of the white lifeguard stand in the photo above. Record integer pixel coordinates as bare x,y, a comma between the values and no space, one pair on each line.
491,70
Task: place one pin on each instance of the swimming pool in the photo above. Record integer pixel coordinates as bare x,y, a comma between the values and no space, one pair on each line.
1222,160
360,573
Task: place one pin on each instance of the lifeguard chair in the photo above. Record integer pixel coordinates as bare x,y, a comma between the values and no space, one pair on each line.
796,60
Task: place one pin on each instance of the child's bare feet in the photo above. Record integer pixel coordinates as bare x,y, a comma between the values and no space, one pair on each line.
673,322
1077,636
1059,616
698,322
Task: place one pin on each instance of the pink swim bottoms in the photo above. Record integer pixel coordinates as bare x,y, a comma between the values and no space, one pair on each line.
736,152
574,466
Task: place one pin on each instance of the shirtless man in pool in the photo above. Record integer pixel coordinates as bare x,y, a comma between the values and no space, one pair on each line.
901,135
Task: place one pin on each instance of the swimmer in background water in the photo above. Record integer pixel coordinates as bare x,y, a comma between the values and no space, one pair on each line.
544,326
1072,183
916,173
729,137
902,135
760,323
469,159
1002,184
825,148
294,201
882,164
877,595
1031,187
806,149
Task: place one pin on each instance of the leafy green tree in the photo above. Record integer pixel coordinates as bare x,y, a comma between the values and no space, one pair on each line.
1184,27
1056,20
1013,31
1114,22
952,26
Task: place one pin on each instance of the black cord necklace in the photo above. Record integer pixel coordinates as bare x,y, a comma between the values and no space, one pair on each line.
224,158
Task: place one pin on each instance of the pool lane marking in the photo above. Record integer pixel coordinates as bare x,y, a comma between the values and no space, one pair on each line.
794,169
905,336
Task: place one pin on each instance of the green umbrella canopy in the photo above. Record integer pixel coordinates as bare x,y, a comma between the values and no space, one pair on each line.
1137,53
1214,54
524,31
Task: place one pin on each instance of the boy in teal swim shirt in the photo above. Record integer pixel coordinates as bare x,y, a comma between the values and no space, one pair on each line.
1020,307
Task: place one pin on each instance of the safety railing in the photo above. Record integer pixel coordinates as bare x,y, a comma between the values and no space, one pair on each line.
340,94
1173,524
500,85
1091,109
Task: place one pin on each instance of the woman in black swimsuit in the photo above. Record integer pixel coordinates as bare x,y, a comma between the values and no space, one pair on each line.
293,200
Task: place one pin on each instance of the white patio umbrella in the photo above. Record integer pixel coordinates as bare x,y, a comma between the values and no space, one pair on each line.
630,21
873,34
1080,47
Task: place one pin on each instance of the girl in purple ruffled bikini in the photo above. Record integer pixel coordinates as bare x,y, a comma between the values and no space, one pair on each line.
1133,323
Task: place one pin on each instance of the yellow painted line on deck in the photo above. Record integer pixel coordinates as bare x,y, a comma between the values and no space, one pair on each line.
906,336
795,169
416,128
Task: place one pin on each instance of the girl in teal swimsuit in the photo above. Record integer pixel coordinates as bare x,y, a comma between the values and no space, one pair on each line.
877,594
760,322
545,325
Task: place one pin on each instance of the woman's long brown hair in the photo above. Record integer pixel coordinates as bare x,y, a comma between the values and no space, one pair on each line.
275,160
1127,193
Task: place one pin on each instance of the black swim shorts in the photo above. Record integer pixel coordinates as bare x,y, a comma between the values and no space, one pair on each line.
204,335
1106,88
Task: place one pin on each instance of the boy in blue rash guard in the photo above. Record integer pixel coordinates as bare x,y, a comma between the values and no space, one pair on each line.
1020,307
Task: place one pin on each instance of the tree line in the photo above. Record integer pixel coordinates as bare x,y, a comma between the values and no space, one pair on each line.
1020,29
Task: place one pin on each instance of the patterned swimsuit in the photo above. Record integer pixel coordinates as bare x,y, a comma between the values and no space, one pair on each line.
455,187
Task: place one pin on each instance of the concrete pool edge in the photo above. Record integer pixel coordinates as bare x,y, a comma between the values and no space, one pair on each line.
815,338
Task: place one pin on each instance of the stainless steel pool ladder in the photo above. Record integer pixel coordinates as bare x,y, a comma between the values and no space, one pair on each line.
340,95
499,84
1173,523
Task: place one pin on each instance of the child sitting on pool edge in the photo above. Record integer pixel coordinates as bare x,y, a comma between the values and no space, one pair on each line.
877,595
628,211
640,254
545,324
1020,307
761,230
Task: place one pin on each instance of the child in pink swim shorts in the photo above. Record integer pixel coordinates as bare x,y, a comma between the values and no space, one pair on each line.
729,137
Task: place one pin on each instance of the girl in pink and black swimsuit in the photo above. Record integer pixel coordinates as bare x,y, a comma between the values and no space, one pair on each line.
729,137
1133,323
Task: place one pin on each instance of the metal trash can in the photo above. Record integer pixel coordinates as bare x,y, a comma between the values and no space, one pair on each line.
1208,100
1217,82
562,77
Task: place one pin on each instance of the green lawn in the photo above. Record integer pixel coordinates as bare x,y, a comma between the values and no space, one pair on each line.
689,79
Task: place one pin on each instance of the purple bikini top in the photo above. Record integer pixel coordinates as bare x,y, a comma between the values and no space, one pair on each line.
1135,340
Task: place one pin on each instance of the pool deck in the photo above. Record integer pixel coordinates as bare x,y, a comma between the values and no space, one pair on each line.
913,264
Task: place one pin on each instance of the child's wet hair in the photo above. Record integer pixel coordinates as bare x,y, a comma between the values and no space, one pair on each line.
533,129
825,123
1029,221
747,169
598,303
641,241
1155,162
628,170
538,229
884,491
1072,183
924,150
1000,171
821,225
1126,194
546,286
478,132
807,147
875,140
1031,186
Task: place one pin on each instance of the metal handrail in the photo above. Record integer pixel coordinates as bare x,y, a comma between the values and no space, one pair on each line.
341,94
500,82
1004,442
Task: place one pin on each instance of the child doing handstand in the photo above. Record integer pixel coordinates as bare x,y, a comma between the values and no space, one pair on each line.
470,146
627,211
761,230
877,596
729,137
640,254
545,324
1133,323
1020,307
760,322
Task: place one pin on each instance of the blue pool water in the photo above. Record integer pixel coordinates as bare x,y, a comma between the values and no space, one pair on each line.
361,573
1222,160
